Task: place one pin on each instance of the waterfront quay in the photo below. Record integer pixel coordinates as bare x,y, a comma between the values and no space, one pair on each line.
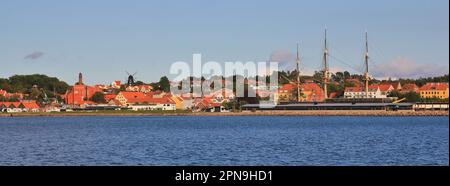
243,113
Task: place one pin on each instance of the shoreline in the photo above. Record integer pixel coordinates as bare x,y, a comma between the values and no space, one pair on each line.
257,113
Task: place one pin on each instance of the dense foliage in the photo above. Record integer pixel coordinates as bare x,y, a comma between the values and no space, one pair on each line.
36,86
98,97
162,85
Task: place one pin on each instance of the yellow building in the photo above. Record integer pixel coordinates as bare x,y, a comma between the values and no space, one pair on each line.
434,90
178,102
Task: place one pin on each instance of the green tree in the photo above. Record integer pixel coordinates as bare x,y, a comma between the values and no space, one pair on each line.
163,84
98,97
139,83
338,77
335,88
411,96
395,93
347,75
25,83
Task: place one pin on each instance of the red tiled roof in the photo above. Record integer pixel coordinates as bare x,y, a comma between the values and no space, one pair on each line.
134,97
354,89
409,87
396,85
373,88
176,97
208,103
16,104
131,95
287,87
109,97
434,86
385,87
9,104
332,95
139,97
30,105
163,100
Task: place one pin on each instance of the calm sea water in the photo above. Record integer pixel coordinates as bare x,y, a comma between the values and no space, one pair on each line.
224,141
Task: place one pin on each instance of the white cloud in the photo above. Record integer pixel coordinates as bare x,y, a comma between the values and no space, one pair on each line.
406,68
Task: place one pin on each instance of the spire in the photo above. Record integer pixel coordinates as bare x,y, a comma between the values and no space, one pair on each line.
366,58
325,67
80,78
366,64
298,74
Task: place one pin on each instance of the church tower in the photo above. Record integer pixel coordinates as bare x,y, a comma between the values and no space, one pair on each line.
80,79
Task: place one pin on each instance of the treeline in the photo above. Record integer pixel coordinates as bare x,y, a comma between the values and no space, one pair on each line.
422,81
340,77
34,85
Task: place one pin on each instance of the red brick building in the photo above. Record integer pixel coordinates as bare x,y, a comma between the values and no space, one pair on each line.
80,94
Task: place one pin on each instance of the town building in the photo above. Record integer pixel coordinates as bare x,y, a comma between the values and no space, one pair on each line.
310,92
359,92
129,98
116,84
6,95
139,88
397,86
80,94
3,93
142,101
410,87
223,95
385,89
22,106
285,93
434,90
109,97
210,105
178,100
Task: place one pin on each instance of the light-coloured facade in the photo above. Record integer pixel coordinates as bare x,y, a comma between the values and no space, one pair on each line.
359,92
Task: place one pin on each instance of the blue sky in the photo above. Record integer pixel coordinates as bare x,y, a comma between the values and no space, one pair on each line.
105,38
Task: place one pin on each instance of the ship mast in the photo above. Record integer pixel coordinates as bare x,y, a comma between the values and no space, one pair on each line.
366,64
298,76
325,68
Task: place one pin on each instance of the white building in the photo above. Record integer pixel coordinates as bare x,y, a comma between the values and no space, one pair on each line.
359,92
223,94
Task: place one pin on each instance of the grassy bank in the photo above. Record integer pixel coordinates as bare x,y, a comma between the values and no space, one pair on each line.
257,113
